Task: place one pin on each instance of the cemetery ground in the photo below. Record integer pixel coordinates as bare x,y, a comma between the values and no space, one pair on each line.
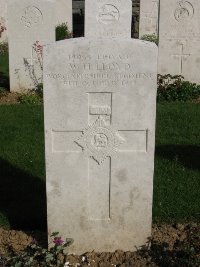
176,211
176,186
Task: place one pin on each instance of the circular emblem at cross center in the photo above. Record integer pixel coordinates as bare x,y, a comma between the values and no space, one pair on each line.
101,139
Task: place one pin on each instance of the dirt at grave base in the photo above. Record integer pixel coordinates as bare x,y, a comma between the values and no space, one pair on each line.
9,98
15,240
171,247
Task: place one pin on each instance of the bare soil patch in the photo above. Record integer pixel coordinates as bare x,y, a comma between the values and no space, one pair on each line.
9,98
175,245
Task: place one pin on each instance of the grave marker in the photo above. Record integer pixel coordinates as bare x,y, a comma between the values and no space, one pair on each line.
112,18
100,106
63,14
179,38
149,11
30,25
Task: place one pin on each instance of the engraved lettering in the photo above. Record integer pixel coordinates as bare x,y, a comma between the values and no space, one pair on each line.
73,66
87,66
97,110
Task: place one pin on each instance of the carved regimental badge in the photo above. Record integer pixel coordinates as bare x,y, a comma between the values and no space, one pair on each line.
108,14
184,11
100,140
31,17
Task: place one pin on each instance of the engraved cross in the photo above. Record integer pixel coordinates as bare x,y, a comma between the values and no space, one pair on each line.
181,57
100,142
32,60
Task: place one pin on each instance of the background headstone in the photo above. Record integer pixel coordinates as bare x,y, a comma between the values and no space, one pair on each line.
3,19
30,25
109,19
149,11
179,38
100,108
64,12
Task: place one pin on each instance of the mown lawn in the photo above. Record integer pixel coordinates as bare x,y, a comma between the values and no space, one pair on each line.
22,166
177,162
22,185
4,71
4,65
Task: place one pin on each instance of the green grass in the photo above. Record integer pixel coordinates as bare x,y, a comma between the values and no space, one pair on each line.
22,185
177,163
4,64
4,71
22,174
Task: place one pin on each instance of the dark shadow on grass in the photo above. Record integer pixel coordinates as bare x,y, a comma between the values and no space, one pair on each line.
187,155
4,81
22,198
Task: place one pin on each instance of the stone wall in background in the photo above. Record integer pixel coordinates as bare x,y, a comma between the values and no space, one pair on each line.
136,18
3,21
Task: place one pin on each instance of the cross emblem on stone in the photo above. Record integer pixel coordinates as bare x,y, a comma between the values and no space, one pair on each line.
182,57
32,60
100,142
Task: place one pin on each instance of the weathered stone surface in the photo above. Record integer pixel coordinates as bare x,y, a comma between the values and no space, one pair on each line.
100,108
112,19
149,10
63,14
3,19
179,44
100,99
30,25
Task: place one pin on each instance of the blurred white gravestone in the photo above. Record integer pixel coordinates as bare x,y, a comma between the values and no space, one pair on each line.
30,26
100,108
3,21
112,18
149,13
179,38
64,12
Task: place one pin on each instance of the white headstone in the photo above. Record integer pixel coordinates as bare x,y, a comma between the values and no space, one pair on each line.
64,12
179,38
31,25
112,18
3,20
100,108
149,10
